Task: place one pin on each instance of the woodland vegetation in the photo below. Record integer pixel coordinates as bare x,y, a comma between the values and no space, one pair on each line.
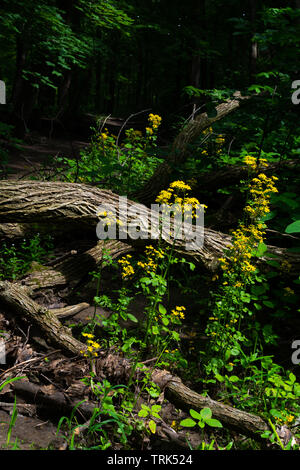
143,341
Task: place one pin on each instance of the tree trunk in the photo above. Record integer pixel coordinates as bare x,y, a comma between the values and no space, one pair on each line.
185,398
16,298
75,206
180,149
72,269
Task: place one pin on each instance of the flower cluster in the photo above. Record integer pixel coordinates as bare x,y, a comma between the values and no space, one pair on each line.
207,131
243,241
178,312
127,269
220,139
153,255
177,194
154,120
260,189
92,347
253,163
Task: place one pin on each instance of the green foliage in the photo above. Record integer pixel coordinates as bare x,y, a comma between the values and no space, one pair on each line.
16,259
203,418
122,167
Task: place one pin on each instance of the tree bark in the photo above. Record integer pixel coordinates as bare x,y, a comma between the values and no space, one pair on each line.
17,300
185,398
71,270
75,206
180,149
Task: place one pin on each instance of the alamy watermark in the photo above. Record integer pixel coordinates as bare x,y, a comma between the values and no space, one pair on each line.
296,354
2,92
3,337
296,94
184,223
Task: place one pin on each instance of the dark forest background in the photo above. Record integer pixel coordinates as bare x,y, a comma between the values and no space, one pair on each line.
63,60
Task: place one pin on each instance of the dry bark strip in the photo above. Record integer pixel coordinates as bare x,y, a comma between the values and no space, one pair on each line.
17,300
69,311
75,206
180,148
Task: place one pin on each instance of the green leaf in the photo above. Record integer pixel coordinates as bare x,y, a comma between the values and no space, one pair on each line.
132,317
268,303
206,413
215,423
195,414
261,249
233,379
188,423
294,227
162,309
152,426
165,321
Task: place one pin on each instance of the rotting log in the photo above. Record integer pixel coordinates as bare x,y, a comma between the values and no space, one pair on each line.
75,206
17,300
71,270
54,399
184,398
180,148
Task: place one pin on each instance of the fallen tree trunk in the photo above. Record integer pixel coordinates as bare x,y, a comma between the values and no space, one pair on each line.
76,205
185,398
54,399
180,148
17,300
71,270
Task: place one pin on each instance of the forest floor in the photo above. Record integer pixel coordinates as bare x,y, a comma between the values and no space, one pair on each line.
35,426
29,157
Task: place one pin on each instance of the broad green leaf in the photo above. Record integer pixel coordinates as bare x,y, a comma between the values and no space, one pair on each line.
188,423
233,378
195,414
152,426
162,309
261,249
294,227
206,413
214,423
